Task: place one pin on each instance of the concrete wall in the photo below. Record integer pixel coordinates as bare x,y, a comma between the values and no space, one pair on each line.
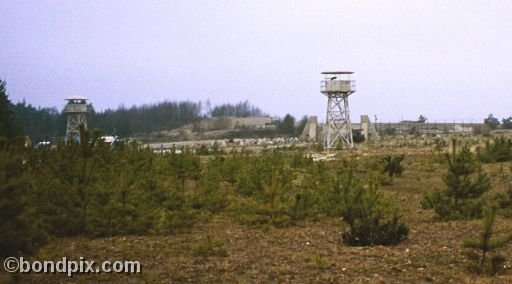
310,131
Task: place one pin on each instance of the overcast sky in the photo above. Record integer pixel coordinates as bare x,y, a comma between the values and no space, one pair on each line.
444,59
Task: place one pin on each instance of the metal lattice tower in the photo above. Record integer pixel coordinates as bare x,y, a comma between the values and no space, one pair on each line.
337,86
76,109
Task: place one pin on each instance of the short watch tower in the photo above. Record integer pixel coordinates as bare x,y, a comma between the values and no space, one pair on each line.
76,109
337,86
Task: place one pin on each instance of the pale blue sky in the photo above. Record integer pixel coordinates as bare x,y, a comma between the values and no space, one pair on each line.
445,59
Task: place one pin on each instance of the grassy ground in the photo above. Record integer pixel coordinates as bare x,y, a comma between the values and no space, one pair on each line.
223,251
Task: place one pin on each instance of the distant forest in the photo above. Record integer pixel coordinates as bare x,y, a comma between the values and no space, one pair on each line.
20,119
242,109
40,123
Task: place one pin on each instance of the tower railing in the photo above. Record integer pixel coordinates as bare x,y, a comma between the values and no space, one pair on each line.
337,86
75,108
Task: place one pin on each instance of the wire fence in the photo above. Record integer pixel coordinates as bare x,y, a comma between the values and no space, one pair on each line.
414,127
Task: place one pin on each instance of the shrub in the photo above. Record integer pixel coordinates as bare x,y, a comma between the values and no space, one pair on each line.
499,150
358,137
392,165
371,231
364,210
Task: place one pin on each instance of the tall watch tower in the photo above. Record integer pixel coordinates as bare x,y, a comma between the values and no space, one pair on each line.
337,86
76,109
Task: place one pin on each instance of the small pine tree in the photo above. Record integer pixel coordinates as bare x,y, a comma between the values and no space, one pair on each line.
272,207
364,209
439,146
487,262
273,192
392,165
314,195
184,165
465,182
230,167
212,195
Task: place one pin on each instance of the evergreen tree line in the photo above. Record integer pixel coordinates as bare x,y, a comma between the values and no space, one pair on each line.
38,123
42,123
241,109
146,118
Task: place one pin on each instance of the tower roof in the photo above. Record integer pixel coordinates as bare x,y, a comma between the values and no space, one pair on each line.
337,72
75,98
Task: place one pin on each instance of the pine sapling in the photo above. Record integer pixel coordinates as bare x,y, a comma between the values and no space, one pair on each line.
392,165
486,261
465,182
274,192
